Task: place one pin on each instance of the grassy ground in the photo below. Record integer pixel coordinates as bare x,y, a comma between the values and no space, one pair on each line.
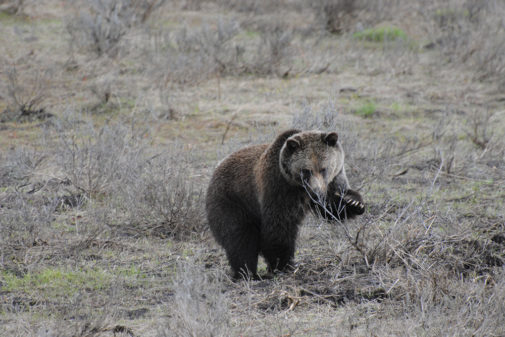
113,118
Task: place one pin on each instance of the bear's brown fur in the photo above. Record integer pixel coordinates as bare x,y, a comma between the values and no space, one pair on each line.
258,196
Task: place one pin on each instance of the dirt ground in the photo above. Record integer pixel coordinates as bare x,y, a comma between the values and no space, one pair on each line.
113,115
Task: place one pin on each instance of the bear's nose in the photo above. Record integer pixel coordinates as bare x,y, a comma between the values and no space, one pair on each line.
318,185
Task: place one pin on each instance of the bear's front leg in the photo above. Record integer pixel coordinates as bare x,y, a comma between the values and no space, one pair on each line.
278,241
279,256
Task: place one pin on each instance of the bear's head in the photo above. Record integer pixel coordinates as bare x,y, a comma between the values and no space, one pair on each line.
312,159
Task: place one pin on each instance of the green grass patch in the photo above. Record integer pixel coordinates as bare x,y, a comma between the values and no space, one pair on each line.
381,34
396,107
132,272
55,281
64,227
401,108
7,18
448,16
248,35
366,109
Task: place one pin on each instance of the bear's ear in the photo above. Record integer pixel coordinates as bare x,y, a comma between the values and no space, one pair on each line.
330,139
292,144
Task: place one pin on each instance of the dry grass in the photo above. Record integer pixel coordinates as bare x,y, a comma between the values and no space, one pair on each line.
114,114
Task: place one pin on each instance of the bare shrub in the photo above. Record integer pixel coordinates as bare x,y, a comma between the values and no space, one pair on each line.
242,6
95,159
342,16
478,128
455,26
417,242
23,224
151,194
444,148
215,45
99,29
25,93
375,12
272,52
173,66
336,16
410,254
192,5
91,322
104,89
189,56
252,6
200,308
472,308
478,158
163,198
13,7
325,118
143,9
18,166
473,33
488,54
101,24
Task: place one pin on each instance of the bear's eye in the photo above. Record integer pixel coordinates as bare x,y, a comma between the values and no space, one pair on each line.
306,173
322,172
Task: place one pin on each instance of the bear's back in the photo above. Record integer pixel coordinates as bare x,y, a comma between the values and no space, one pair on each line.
234,179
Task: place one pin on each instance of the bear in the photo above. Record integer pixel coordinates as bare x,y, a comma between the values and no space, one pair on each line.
258,197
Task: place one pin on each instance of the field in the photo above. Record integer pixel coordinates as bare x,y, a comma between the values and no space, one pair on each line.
113,115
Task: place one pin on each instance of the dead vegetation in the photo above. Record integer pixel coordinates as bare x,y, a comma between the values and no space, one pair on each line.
24,95
13,7
100,25
475,30
102,224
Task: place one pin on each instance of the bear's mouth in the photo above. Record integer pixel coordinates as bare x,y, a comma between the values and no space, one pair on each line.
317,195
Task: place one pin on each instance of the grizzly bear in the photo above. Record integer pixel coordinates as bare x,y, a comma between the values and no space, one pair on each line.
259,195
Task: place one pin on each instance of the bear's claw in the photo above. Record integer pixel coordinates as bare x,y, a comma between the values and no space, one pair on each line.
354,203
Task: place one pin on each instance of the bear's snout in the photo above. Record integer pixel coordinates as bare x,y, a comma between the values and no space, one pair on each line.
317,186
